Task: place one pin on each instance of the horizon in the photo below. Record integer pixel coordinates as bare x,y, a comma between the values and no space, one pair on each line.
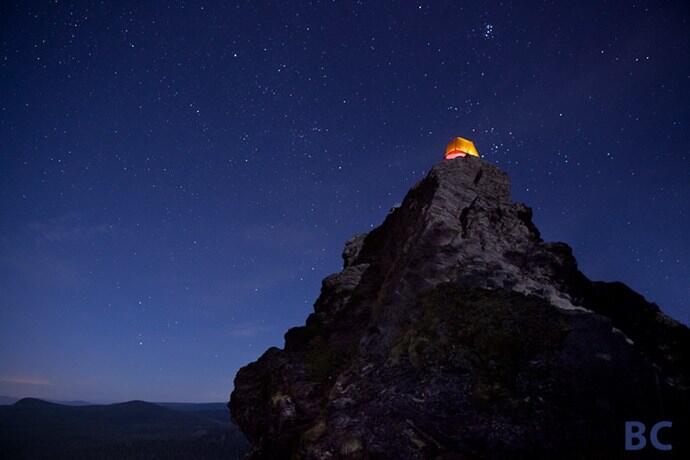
101,403
177,181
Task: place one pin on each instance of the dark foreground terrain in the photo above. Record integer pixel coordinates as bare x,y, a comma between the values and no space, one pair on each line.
36,429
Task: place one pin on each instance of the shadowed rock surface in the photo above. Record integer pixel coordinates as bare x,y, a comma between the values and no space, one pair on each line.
454,331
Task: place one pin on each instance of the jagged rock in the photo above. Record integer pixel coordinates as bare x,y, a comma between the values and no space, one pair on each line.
454,331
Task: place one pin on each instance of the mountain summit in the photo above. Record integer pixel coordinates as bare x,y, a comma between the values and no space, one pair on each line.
455,331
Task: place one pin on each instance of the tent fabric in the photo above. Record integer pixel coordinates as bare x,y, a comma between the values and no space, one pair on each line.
460,147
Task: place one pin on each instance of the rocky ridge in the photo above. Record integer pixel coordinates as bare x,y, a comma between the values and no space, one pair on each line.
455,331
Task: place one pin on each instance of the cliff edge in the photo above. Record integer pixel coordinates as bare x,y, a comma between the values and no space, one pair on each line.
455,331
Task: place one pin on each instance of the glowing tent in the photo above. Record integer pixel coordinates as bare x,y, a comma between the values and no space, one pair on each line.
460,147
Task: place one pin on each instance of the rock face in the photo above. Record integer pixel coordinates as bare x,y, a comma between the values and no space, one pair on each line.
454,331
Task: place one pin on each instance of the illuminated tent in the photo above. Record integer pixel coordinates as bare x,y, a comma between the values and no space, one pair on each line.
460,147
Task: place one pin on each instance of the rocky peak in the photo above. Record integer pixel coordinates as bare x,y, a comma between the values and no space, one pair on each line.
453,329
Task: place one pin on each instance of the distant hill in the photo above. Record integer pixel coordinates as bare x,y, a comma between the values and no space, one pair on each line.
34,428
8,400
187,407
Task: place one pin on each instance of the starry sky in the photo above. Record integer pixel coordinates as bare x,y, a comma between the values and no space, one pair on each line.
176,178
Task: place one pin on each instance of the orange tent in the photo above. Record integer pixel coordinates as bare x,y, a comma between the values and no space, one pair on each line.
460,147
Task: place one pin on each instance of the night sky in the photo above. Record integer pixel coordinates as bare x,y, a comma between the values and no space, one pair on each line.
175,181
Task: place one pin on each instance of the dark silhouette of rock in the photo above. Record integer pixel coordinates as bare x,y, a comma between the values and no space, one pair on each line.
36,429
454,331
